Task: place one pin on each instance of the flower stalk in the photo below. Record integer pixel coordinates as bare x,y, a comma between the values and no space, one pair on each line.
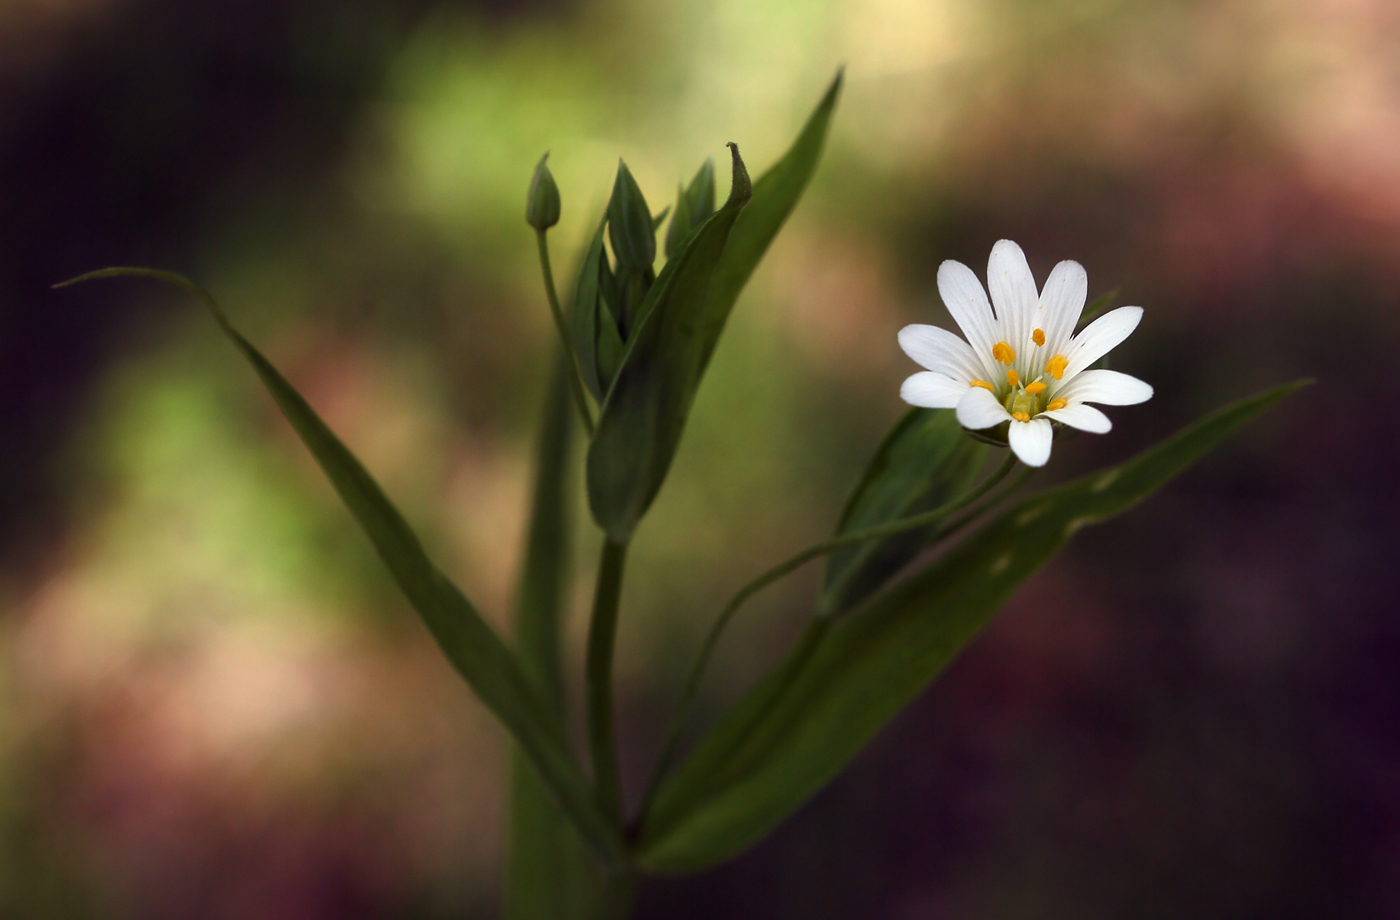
796,561
602,634
576,373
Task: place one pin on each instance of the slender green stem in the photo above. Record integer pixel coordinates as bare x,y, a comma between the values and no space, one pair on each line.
619,892
602,631
942,512
697,671
576,379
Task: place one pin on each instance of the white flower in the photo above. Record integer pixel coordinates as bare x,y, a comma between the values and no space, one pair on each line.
1023,363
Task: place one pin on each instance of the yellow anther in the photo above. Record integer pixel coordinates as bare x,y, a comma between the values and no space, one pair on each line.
1021,416
1056,404
1035,388
1038,337
1055,367
1012,377
983,384
1003,353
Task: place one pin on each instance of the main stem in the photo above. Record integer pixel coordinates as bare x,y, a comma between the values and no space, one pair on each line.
576,377
602,632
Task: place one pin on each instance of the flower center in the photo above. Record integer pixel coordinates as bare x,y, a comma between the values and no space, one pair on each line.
1024,402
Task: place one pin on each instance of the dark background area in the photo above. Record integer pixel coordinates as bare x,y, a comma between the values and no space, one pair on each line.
216,706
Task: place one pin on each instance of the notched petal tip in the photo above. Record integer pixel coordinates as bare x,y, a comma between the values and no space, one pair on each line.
1031,441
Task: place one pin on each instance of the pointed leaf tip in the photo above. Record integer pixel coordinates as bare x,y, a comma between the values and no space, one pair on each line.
741,187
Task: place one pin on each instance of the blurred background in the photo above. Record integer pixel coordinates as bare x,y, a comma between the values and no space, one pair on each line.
213,702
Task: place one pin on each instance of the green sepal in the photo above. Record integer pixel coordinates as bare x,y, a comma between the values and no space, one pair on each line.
694,205
925,461
680,228
844,679
595,333
469,643
630,228
631,452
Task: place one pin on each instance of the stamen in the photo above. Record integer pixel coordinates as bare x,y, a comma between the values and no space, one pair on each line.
983,384
1003,353
1056,404
1013,378
1021,416
1038,337
1055,367
1034,388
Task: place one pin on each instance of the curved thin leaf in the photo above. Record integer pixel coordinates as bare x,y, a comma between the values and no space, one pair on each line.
925,461
796,729
470,644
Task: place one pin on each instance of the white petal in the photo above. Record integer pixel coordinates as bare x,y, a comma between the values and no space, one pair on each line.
1061,302
979,409
932,390
1015,297
1085,418
1100,337
1031,440
1108,388
939,350
963,296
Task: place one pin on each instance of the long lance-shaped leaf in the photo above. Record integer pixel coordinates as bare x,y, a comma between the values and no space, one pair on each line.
645,412
549,876
470,644
924,461
632,450
775,195
795,730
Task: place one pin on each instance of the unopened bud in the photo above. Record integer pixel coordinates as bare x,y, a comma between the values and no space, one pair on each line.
694,205
542,208
629,224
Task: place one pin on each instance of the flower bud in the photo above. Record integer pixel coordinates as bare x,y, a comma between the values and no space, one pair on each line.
694,205
629,224
542,207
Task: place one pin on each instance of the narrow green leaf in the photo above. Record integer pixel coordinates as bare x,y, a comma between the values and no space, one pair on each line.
642,421
646,409
549,875
925,461
694,205
1096,306
700,194
595,331
679,230
797,728
465,638
775,195
657,219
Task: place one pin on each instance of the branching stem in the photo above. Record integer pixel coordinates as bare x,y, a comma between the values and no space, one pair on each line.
576,378
942,512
